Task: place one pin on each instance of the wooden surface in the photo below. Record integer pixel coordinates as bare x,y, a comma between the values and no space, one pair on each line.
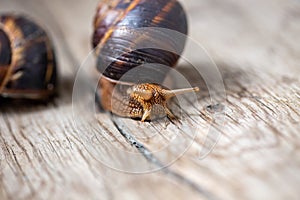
256,46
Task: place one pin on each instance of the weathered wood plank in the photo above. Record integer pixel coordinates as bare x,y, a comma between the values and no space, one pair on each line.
256,47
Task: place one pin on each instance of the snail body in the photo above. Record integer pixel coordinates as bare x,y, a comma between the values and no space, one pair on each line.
117,50
27,60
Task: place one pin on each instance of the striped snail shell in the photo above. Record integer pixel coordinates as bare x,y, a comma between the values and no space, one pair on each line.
27,60
117,52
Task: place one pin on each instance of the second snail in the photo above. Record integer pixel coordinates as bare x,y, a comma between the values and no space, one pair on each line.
117,47
27,59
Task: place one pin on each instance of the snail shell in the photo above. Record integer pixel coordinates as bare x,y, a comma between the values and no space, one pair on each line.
27,60
115,23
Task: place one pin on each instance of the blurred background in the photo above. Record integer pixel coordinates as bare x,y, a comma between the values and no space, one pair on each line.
250,33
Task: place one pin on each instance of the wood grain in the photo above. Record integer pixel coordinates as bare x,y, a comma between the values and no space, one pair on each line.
47,153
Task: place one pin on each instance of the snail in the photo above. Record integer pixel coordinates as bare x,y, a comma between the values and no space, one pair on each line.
115,43
27,60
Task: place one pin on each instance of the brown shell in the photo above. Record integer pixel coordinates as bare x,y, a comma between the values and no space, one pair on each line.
27,60
140,36
119,53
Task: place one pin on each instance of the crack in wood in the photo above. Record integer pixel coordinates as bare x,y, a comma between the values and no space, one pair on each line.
152,159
